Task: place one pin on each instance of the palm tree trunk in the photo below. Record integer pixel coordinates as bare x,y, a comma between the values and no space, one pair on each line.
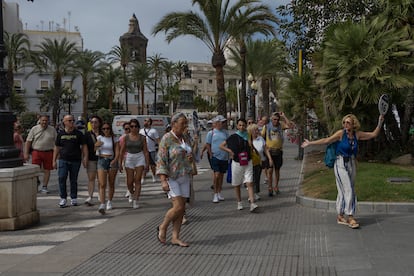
142,99
218,61
265,92
243,100
84,98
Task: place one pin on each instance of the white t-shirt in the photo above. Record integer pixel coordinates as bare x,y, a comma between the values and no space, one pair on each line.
153,133
107,148
259,143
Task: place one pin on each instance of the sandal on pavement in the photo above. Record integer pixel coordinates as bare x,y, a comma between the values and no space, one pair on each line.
341,220
352,223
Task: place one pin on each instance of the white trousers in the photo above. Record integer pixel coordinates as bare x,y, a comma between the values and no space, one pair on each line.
345,173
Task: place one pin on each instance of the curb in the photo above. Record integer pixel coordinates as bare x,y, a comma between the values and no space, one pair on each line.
362,207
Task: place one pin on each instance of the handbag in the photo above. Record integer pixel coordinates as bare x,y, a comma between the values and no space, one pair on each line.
229,172
243,158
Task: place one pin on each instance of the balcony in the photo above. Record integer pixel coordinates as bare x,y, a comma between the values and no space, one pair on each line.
41,91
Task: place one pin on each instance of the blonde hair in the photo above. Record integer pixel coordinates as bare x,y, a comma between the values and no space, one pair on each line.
250,129
355,122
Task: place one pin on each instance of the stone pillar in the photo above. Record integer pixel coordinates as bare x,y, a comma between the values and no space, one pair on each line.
18,197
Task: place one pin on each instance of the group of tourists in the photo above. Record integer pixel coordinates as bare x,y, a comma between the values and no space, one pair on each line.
99,150
254,148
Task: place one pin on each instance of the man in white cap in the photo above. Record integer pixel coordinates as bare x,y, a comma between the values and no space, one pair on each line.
219,158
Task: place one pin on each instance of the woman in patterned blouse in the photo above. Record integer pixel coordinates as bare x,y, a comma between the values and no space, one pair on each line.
174,169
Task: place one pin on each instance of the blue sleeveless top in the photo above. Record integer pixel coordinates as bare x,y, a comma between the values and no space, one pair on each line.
347,147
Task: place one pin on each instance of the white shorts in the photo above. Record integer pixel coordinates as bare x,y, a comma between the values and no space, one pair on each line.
133,160
241,174
179,187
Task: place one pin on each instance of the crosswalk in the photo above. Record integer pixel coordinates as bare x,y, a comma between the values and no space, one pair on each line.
69,222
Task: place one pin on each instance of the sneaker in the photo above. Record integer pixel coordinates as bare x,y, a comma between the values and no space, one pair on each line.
101,209
74,202
130,198
253,207
88,201
239,205
44,190
109,205
62,203
215,198
127,194
135,204
220,197
256,197
154,180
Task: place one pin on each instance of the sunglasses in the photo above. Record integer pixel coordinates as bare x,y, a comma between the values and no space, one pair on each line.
127,129
133,126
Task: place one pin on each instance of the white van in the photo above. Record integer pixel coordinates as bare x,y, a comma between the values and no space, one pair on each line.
159,122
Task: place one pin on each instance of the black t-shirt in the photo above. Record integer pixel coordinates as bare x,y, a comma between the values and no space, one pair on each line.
90,142
237,145
70,145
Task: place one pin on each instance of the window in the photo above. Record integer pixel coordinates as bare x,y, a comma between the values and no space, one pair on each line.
200,81
44,85
67,84
210,81
18,86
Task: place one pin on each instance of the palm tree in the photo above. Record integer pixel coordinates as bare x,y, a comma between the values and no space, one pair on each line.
214,26
359,62
108,80
86,62
141,74
17,47
266,59
55,57
122,54
155,63
253,20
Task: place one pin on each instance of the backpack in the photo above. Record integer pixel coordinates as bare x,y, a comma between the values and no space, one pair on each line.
330,154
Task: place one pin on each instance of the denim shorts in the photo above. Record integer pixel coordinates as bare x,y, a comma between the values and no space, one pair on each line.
219,165
104,163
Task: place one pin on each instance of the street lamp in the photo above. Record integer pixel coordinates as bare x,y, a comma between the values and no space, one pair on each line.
69,98
251,95
239,87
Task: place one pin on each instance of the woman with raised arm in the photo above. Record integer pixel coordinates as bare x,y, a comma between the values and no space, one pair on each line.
345,164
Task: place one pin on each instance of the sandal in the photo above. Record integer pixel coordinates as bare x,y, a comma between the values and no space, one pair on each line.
352,223
341,220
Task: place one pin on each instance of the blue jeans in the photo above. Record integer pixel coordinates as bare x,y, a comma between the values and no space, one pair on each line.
71,168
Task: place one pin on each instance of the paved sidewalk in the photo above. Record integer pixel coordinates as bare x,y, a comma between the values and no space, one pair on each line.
282,238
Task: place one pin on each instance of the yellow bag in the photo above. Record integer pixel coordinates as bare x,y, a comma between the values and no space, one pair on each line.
256,158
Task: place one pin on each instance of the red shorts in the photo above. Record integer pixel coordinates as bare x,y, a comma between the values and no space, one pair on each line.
43,159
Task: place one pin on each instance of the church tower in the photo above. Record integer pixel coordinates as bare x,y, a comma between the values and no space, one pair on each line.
135,41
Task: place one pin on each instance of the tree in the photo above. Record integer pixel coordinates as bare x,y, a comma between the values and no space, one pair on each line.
108,80
359,62
255,19
266,59
122,54
214,26
17,47
55,57
86,62
155,63
141,74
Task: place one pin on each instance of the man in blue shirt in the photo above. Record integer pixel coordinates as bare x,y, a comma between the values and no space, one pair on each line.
219,158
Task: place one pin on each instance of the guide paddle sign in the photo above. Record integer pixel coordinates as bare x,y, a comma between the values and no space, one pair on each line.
383,104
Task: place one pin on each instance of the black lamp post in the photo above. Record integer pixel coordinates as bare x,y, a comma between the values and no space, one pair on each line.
69,98
9,154
252,96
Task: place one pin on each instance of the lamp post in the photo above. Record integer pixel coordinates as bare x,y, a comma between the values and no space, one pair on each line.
252,96
239,87
69,98
9,154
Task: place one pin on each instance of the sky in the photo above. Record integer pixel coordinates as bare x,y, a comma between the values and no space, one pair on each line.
102,22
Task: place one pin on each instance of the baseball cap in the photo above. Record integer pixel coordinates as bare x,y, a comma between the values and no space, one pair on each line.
219,118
